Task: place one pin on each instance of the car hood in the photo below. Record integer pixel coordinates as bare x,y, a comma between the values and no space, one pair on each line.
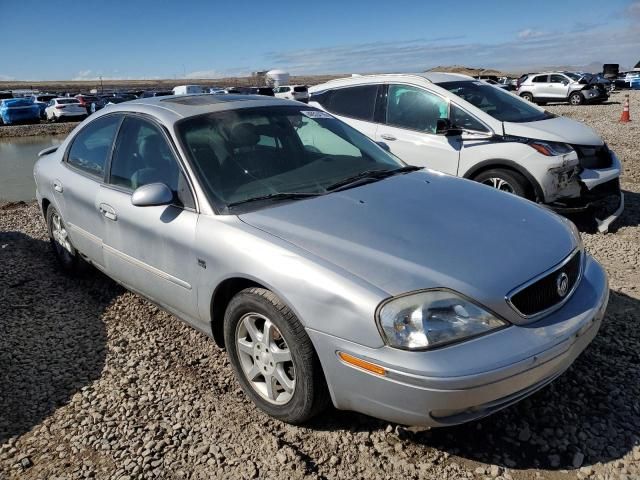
425,230
557,129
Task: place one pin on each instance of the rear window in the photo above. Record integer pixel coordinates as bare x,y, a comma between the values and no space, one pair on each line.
354,102
299,89
65,101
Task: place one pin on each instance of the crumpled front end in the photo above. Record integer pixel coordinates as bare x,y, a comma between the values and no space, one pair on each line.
595,188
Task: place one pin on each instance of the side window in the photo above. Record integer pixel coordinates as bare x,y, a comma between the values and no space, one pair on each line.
142,156
415,109
354,102
540,79
92,146
460,118
558,79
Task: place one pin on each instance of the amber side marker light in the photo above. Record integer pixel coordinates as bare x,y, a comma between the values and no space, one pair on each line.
364,365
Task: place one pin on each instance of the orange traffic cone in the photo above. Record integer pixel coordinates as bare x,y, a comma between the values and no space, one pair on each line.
625,117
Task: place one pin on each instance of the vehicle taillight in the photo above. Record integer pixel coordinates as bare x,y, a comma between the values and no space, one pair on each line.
59,107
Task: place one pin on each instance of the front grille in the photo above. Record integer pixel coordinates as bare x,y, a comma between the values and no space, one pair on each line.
594,157
543,294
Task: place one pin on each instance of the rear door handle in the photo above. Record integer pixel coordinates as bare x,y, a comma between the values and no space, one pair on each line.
57,186
108,211
387,136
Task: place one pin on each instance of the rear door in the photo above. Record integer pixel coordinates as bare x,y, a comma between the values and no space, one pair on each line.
409,128
150,249
355,106
77,186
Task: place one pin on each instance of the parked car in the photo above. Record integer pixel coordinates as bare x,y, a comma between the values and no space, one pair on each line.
42,100
156,93
465,127
106,100
4,94
18,110
497,84
238,90
188,90
562,87
267,91
329,269
65,109
293,92
86,101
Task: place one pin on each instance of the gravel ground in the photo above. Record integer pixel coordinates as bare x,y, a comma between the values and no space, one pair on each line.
36,129
98,383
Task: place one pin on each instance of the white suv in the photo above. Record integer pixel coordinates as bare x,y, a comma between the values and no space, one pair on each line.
293,92
465,127
569,87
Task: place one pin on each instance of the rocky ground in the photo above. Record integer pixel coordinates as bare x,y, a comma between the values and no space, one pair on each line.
36,129
97,383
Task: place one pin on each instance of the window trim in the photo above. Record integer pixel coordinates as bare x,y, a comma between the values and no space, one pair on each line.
419,87
489,129
165,133
333,90
65,157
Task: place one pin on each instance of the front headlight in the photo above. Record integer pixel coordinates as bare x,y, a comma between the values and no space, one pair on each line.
433,318
550,149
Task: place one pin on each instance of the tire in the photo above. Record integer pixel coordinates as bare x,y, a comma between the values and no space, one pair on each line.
527,96
506,181
306,394
576,98
67,256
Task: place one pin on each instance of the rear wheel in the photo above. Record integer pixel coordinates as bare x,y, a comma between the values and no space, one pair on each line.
527,96
576,98
65,252
273,358
505,180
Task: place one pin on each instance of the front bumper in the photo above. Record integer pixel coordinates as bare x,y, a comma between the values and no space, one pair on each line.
470,380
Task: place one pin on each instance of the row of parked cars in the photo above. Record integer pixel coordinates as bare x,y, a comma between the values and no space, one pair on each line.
69,107
310,242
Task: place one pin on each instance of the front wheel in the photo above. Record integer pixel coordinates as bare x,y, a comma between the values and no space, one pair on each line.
505,180
273,358
527,96
576,98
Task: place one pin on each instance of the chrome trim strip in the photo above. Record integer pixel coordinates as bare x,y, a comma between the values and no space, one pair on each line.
575,251
147,267
84,233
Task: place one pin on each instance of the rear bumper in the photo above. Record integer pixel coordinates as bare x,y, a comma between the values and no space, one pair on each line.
470,380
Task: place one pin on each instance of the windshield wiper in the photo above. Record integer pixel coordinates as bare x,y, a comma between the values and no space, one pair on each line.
368,176
276,196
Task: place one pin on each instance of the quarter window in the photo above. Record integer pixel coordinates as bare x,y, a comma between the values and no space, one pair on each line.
92,146
460,118
354,102
142,156
415,109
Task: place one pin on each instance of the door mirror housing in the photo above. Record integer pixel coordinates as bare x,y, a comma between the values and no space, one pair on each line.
384,146
446,128
152,194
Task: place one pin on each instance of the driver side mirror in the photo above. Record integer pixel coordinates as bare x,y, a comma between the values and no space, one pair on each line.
152,194
446,128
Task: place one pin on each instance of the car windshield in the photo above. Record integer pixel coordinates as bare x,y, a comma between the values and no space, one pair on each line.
573,76
495,101
246,154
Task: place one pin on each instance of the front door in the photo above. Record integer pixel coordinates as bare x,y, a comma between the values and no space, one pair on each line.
412,115
558,86
150,249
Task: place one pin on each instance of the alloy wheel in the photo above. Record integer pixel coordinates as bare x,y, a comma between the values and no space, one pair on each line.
265,358
500,184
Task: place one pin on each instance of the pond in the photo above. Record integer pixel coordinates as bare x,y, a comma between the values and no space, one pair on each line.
17,158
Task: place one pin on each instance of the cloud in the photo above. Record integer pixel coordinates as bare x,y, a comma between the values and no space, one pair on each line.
530,33
6,78
229,72
634,10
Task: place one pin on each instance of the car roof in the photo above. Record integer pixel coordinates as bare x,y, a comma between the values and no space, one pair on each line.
432,77
174,107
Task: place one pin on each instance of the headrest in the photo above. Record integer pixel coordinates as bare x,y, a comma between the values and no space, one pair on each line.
244,135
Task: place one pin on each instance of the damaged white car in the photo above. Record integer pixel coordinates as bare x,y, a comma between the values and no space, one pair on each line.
465,127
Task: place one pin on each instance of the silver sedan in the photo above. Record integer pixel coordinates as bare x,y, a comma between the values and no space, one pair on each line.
328,269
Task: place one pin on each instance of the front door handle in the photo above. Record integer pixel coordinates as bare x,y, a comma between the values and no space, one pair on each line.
57,186
108,211
387,136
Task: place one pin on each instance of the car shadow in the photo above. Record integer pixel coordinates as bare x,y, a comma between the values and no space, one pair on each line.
630,216
52,337
591,410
